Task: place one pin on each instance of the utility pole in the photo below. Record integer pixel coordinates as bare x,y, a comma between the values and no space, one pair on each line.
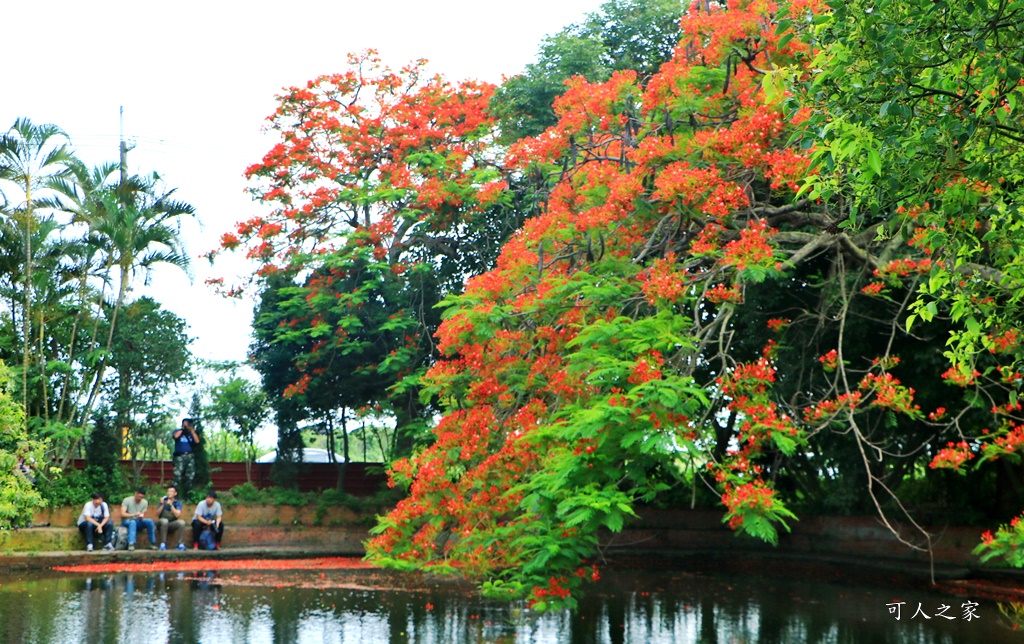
124,151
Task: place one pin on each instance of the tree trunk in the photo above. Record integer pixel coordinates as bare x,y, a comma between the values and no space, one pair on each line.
121,292
342,467
26,320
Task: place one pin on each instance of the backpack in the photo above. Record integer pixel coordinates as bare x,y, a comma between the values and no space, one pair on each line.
120,538
207,540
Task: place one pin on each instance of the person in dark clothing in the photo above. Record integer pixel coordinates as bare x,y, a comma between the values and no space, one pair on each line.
185,440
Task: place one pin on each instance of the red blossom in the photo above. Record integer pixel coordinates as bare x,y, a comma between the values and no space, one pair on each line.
830,360
960,376
720,293
953,456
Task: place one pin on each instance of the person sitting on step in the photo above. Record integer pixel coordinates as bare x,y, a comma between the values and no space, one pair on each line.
133,516
169,519
95,520
208,516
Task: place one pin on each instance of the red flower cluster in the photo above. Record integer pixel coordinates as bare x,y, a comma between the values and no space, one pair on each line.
1005,341
959,376
903,267
748,496
952,456
827,409
890,393
752,248
720,293
830,360
1009,442
662,282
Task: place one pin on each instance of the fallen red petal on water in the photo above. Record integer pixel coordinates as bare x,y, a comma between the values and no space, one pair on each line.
320,563
430,606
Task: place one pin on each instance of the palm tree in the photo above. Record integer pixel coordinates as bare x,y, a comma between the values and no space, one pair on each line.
136,227
30,155
79,195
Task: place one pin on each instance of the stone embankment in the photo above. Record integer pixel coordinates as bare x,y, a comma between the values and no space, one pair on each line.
337,529
287,530
862,538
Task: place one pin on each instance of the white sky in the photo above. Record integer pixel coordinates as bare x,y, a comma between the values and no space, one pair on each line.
198,79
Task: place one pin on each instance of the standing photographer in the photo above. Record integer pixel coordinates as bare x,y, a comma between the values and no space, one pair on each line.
185,440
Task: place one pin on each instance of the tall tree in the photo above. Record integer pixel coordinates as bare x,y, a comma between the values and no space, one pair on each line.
30,155
379,180
744,277
637,35
103,453
923,149
149,355
241,406
136,226
79,195
202,479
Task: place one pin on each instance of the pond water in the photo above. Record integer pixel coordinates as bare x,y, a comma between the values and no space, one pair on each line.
674,603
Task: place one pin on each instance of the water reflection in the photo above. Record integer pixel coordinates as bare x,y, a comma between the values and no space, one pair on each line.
624,607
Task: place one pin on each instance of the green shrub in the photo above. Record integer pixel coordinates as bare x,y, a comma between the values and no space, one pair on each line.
244,493
287,496
71,487
248,493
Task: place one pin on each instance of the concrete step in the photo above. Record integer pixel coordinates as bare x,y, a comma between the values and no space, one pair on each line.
340,539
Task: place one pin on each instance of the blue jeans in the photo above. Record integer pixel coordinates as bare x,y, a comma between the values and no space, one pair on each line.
88,531
133,528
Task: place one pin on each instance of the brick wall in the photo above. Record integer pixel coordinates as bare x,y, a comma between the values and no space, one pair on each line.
361,479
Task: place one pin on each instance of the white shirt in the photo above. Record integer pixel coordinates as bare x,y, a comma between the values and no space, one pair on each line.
96,512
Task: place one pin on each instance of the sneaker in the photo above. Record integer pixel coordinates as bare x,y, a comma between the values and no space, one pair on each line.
181,546
163,546
216,546
109,546
195,546
88,547
131,547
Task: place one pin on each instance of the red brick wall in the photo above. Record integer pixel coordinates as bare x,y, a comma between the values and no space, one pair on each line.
361,479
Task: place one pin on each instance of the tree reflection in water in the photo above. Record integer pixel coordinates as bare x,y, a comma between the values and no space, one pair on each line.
371,606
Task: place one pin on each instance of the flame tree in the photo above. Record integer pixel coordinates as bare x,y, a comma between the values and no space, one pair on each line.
375,190
744,276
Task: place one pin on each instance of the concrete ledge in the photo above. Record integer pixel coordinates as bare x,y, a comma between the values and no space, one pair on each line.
342,539
44,560
340,530
283,515
40,539
337,529
859,537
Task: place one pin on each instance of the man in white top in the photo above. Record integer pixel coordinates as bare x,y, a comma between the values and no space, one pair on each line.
95,520
208,516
